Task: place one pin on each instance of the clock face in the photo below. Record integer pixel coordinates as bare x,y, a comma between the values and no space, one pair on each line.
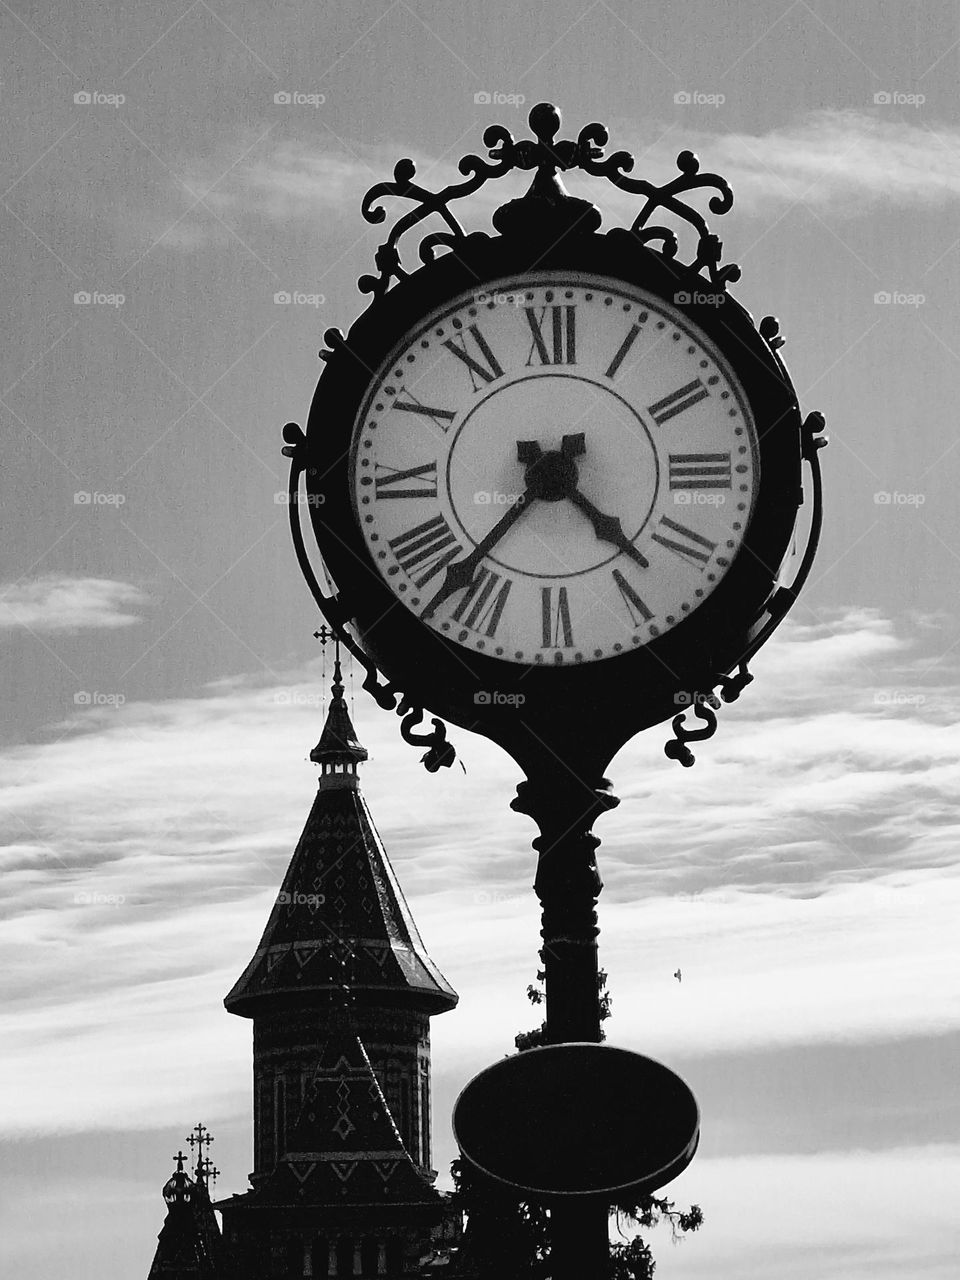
555,470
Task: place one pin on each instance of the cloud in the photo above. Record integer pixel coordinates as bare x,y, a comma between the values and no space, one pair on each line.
846,161
58,602
881,1215
295,181
806,862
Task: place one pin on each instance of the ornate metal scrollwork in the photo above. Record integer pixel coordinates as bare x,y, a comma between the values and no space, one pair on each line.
704,706
440,753
812,440
547,205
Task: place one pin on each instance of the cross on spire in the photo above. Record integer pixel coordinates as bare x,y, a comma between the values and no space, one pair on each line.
181,1160
325,635
199,1138
207,1171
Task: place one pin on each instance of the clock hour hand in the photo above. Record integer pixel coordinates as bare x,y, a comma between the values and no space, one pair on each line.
460,573
607,528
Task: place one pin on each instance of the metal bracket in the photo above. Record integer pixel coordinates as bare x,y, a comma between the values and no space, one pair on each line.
780,603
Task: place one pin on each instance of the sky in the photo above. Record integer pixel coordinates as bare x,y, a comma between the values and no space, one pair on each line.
162,688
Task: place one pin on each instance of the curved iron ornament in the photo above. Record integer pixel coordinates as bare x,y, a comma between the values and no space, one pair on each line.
705,702
548,208
550,157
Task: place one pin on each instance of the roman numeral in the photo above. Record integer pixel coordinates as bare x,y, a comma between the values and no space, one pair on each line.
483,604
556,619
635,606
427,548
677,401
412,482
700,471
441,417
696,548
563,328
623,351
487,371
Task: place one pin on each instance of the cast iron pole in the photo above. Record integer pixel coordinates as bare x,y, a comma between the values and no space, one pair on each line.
568,885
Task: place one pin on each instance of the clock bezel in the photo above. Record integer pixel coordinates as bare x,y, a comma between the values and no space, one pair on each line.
627,692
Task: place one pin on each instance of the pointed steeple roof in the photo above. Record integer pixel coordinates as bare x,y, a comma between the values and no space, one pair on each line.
189,1243
338,742
340,915
344,1148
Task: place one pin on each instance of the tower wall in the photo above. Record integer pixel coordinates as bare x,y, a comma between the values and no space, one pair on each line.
286,1046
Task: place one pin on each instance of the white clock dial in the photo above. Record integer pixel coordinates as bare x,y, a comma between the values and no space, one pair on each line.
557,469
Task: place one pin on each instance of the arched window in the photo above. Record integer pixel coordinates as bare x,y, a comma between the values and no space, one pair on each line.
320,1257
406,1119
369,1254
344,1257
424,1121
279,1118
260,1124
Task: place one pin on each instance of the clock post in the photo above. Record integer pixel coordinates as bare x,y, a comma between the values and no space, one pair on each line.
568,885
554,477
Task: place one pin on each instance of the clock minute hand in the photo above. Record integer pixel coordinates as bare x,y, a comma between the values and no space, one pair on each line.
460,573
607,528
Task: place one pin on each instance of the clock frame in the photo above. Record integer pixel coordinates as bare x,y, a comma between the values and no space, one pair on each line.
571,707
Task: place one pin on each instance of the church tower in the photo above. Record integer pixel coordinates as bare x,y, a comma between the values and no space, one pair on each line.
189,1246
340,992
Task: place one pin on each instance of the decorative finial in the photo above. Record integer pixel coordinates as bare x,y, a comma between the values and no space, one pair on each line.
547,209
199,1137
207,1172
324,635
178,1189
339,750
